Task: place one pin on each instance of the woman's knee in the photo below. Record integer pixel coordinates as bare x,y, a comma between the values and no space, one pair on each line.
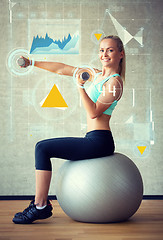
40,147
42,159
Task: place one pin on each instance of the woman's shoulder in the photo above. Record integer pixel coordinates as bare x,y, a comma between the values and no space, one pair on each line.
115,79
115,85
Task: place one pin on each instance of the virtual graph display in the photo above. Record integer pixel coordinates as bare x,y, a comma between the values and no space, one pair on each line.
67,45
54,36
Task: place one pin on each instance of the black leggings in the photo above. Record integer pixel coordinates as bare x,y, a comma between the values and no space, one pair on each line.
95,144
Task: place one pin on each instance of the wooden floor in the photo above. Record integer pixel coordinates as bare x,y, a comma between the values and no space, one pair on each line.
146,224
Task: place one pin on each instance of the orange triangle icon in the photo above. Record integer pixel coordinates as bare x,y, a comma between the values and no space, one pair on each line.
141,149
54,99
98,35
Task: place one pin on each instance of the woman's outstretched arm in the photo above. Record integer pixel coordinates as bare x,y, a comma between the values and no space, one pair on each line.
56,67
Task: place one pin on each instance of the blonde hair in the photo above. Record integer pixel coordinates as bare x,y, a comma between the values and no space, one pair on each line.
122,63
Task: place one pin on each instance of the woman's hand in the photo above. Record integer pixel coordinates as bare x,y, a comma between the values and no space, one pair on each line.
80,81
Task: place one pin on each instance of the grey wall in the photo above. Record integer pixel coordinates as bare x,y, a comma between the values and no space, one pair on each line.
137,121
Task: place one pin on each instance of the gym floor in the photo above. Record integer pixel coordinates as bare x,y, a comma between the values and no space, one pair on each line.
146,224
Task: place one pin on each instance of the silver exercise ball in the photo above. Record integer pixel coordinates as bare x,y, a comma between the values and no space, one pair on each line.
99,190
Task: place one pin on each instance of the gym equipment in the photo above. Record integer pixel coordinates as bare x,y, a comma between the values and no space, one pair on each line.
21,62
99,190
85,73
85,76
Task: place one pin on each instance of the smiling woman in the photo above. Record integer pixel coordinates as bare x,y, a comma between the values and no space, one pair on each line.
99,102
107,87
110,47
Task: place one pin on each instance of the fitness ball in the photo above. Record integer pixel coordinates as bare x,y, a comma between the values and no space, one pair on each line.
99,190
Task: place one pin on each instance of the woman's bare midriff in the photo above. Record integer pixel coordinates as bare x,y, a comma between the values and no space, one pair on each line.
100,123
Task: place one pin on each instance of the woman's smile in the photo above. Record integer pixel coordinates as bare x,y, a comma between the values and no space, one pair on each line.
106,59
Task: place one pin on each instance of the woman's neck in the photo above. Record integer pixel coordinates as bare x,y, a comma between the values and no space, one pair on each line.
109,71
